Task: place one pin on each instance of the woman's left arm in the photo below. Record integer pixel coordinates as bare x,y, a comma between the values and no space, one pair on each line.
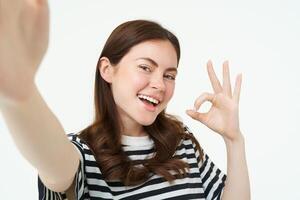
223,118
237,184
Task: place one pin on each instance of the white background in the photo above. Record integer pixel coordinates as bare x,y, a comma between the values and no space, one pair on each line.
259,38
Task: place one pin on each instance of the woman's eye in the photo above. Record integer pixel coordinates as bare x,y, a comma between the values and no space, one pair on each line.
171,77
145,67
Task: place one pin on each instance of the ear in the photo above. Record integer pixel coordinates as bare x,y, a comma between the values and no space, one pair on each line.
106,69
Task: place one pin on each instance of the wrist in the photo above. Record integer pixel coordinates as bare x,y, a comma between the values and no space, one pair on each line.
239,138
18,98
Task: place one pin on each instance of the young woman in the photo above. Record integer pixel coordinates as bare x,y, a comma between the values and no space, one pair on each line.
133,149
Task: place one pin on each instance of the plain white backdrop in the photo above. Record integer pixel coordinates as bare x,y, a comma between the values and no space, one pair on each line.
259,38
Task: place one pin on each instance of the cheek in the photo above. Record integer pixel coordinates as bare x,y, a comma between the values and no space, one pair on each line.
170,90
130,80
139,82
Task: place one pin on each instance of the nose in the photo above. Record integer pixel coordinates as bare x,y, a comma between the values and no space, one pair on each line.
158,83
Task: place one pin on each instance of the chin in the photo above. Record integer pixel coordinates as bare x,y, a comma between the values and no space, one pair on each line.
146,122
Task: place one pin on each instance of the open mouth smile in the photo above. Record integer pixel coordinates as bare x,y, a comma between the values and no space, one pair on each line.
150,103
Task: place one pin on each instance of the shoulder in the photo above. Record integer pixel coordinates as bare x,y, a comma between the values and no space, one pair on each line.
194,142
81,145
188,140
189,134
74,137
187,129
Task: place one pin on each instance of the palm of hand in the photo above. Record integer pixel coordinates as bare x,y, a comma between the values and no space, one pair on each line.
24,34
223,116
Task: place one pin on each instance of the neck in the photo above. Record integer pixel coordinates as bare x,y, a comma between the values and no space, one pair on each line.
135,133
131,127
136,130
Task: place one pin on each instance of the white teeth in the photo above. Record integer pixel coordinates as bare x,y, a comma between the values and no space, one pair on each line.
148,98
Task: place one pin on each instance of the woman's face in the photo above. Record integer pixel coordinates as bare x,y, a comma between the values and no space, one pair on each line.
146,73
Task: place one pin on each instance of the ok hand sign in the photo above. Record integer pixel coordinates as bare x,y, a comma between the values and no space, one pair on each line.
223,116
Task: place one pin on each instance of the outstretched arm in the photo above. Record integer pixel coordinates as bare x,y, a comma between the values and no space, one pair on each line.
223,118
35,130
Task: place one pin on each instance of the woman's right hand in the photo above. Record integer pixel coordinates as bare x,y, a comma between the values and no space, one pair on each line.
24,35
36,131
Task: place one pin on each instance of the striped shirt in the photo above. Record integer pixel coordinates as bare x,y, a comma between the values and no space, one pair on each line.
203,181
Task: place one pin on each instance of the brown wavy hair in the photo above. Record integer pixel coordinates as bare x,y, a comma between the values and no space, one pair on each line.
103,136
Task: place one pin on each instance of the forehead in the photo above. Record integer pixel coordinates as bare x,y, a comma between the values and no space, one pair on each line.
161,52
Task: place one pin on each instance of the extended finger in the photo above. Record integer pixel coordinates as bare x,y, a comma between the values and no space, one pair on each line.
213,78
226,79
237,88
202,98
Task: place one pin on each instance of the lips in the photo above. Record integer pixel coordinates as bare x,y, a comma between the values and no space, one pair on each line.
159,99
148,105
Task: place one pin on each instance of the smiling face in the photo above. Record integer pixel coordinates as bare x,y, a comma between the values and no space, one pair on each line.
145,74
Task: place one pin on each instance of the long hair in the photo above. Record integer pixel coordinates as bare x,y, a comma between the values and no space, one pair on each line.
103,136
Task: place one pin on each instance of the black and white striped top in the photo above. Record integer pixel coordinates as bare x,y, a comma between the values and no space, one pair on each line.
204,180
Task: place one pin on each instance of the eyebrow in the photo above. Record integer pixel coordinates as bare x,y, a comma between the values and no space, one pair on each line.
156,65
